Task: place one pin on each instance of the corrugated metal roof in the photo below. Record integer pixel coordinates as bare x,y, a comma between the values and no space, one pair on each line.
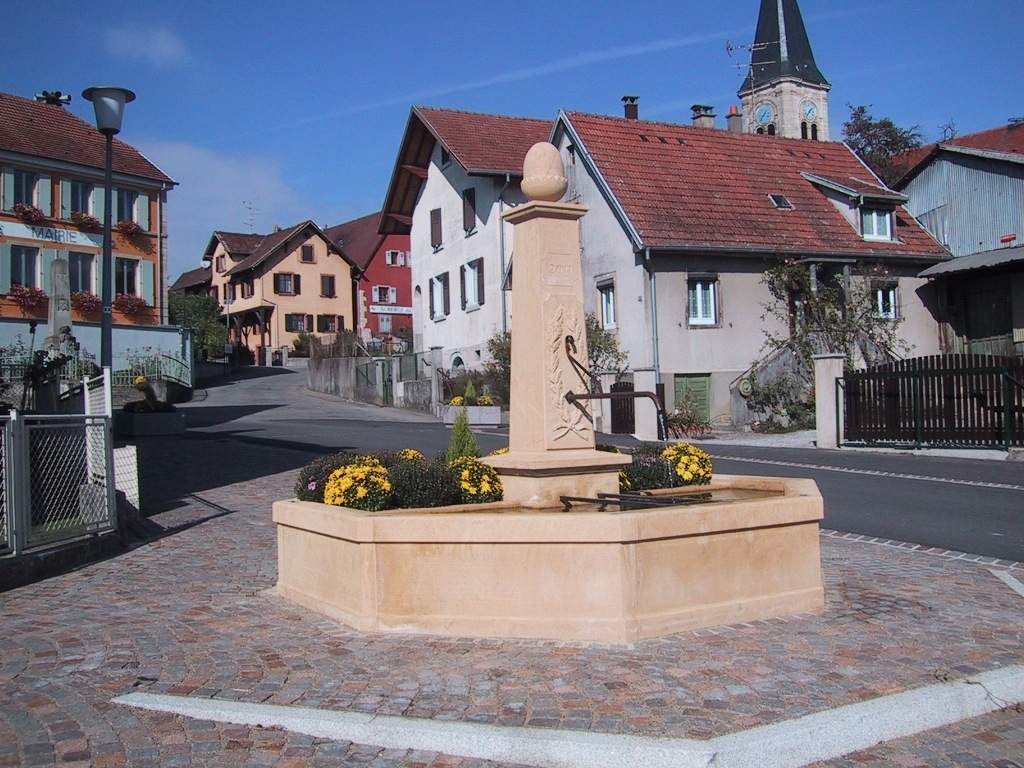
987,260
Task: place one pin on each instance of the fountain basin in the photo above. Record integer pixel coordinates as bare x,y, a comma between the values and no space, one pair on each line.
613,576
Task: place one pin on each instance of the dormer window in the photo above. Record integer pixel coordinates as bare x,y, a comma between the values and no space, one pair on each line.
875,224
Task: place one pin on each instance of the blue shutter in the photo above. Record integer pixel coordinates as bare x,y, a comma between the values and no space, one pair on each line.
97,202
49,255
8,194
5,268
65,199
143,206
44,194
148,282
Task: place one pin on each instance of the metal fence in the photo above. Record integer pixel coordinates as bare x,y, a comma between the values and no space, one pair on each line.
56,475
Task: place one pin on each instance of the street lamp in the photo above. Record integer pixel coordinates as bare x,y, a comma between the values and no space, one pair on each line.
108,101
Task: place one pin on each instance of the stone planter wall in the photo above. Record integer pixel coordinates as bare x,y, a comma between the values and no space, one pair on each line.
479,415
148,424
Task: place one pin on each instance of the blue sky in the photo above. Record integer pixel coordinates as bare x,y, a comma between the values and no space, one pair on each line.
296,109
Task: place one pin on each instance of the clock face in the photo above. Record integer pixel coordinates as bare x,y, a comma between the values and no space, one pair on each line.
764,113
810,111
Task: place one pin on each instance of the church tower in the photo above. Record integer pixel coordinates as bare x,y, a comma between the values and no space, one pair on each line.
784,93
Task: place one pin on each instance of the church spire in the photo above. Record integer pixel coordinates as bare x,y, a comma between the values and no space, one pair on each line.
784,93
781,47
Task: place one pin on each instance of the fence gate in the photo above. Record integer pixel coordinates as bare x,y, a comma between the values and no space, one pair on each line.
387,382
971,400
623,409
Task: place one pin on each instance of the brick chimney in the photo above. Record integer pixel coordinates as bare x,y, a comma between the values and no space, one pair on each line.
630,104
703,116
734,122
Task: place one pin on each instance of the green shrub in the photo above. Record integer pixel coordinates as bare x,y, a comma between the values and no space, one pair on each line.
422,483
463,443
647,472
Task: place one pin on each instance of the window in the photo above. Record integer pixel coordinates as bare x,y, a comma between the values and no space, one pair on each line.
298,323
384,294
886,301
286,283
446,157
307,254
248,289
702,309
80,271
394,258
874,224
229,292
222,263
440,298
25,265
471,283
326,323
80,197
435,229
781,202
327,286
469,209
125,203
384,323
606,293
24,188
126,274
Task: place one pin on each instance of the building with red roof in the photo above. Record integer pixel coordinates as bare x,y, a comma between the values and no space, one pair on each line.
455,173
51,206
684,220
384,289
968,191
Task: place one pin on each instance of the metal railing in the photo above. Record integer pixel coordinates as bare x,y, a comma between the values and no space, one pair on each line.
56,475
158,366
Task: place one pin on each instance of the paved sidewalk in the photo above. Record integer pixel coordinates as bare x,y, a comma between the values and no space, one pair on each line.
191,614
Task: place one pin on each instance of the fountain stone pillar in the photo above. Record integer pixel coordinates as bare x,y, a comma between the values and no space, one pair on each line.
551,440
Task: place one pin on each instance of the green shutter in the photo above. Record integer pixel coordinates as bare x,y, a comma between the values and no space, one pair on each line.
49,256
148,282
65,199
8,196
143,205
44,194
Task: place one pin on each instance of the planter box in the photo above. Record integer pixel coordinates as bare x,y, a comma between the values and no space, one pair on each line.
479,415
148,424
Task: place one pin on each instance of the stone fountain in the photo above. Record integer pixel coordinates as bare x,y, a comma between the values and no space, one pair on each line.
746,548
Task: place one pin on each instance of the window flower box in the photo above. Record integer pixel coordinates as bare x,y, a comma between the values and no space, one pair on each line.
29,213
28,298
129,304
127,227
85,222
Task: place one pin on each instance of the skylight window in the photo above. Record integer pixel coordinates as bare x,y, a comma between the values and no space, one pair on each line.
781,202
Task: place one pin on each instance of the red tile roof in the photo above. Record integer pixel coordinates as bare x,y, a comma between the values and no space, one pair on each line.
690,188
1009,139
492,144
481,144
44,130
358,239
236,243
269,244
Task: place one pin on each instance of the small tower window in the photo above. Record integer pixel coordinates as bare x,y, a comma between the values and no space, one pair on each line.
814,132
803,130
771,129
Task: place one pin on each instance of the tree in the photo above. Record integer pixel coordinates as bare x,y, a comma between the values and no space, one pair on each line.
462,443
879,142
201,313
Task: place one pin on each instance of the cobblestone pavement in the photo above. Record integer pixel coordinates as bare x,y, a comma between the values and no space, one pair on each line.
191,612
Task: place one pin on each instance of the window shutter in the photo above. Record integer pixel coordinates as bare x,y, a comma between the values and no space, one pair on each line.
401,258
341,322
148,283
143,205
469,209
462,284
99,202
8,191
447,295
392,295
309,323
435,228
65,199
430,283
44,194
277,283
295,285
5,268
480,281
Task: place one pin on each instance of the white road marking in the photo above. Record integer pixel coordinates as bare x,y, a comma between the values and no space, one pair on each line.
1007,578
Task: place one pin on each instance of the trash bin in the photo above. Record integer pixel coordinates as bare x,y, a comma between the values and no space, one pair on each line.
277,358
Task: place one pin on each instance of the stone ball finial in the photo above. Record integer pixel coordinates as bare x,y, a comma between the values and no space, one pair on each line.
543,173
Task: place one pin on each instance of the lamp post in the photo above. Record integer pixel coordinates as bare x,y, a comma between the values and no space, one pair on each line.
108,101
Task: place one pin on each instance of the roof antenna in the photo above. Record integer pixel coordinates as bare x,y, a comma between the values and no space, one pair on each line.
252,209
54,98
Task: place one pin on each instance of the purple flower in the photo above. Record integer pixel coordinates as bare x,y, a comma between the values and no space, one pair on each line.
311,486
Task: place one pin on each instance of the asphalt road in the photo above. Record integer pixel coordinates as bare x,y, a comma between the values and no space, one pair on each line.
971,505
